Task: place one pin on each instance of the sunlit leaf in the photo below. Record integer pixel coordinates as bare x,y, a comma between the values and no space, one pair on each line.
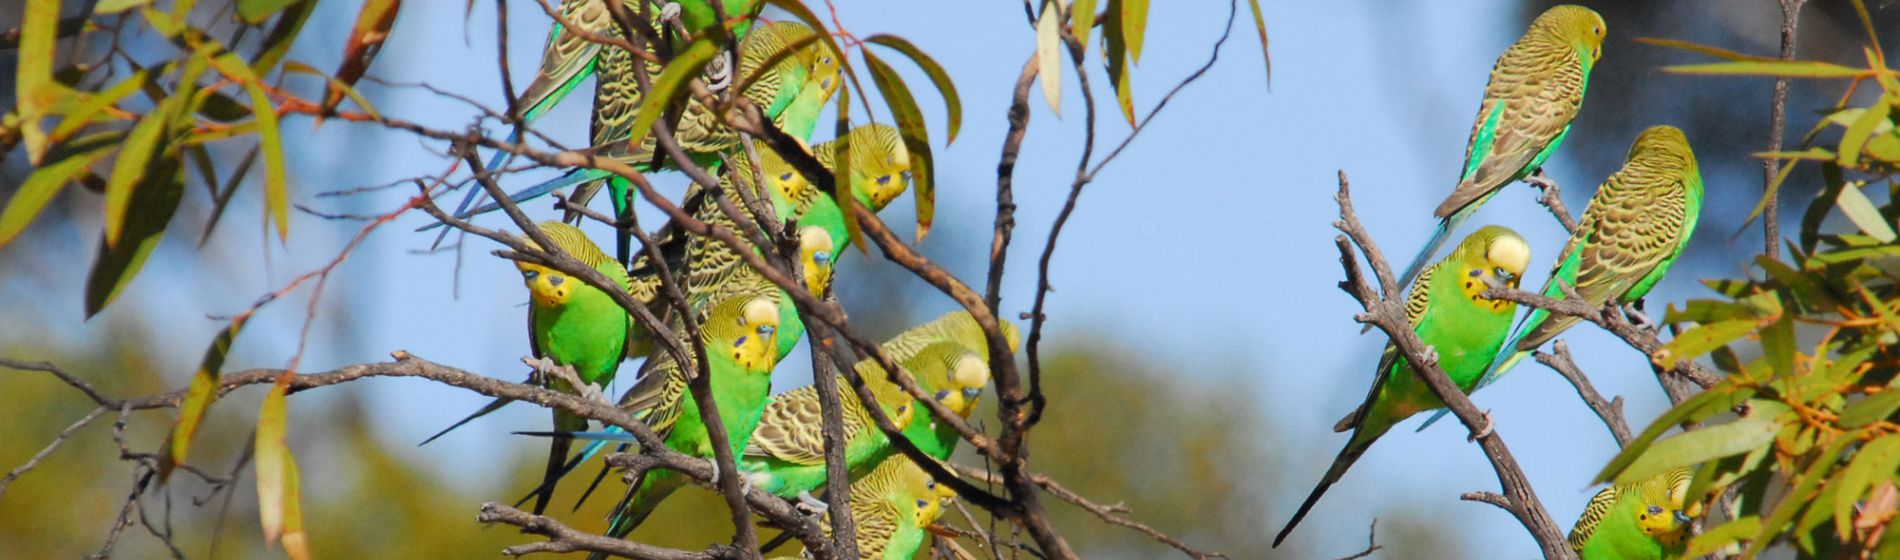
87,112
203,390
1134,17
107,7
1116,54
1722,536
38,189
1875,407
278,494
256,11
670,86
910,125
277,43
35,91
1714,442
1876,461
1773,69
1082,22
1857,133
134,162
953,103
1049,55
1701,340
1861,211
1708,403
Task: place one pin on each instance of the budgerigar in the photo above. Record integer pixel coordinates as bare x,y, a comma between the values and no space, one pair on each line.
570,57
1641,521
1535,90
1636,226
700,131
740,336
787,453
570,323
880,165
1463,328
893,507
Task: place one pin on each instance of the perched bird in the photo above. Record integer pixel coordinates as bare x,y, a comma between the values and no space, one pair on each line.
787,453
1636,226
569,58
1639,521
700,131
1460,326
740,335
570,323
1535,90
880,166
893,507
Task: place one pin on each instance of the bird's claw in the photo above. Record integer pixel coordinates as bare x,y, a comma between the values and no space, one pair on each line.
811,505
1431,355
594,393
1634,313
1483,430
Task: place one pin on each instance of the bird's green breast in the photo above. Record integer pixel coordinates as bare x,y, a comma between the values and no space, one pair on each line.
1618,538
589,333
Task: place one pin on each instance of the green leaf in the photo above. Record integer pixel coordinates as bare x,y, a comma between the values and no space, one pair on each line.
1873,408
277,43
256,11
953,103
1708,403
134,162
157,199
294,67
1876,461
36,92
1117,55
107,7
1701,340
1722,536
1773,69
86,111
38,190
1714,442
1798,498
1861,211
203,390
279,497
1134,16
1082,18
910,125
270,141
1856,135
1049,54
847,200
1777,345
669,87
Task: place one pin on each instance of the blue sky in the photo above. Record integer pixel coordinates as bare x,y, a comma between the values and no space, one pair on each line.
1207,245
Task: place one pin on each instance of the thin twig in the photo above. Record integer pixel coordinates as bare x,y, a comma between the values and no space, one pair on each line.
1611,412
1372,543
1770,167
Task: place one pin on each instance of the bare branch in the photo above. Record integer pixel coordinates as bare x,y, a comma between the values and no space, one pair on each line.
1372,543
565,539
1611,412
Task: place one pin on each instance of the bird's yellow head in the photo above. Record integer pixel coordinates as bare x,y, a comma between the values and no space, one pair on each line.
880,166
550,288
781,176
1663,516
1492,253
746,328
930,503
958,374
816,253
823,76
1577,26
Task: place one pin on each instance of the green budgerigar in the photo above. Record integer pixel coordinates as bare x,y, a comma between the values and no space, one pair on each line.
893,507
740,336
1535,90
570,323
787,452
1641,521
1636,226
1450,316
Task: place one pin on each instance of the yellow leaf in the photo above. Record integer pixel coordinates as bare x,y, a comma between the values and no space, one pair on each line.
1049,55
1082,13
1773,69
1134,17
910,125
279,507
39,188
